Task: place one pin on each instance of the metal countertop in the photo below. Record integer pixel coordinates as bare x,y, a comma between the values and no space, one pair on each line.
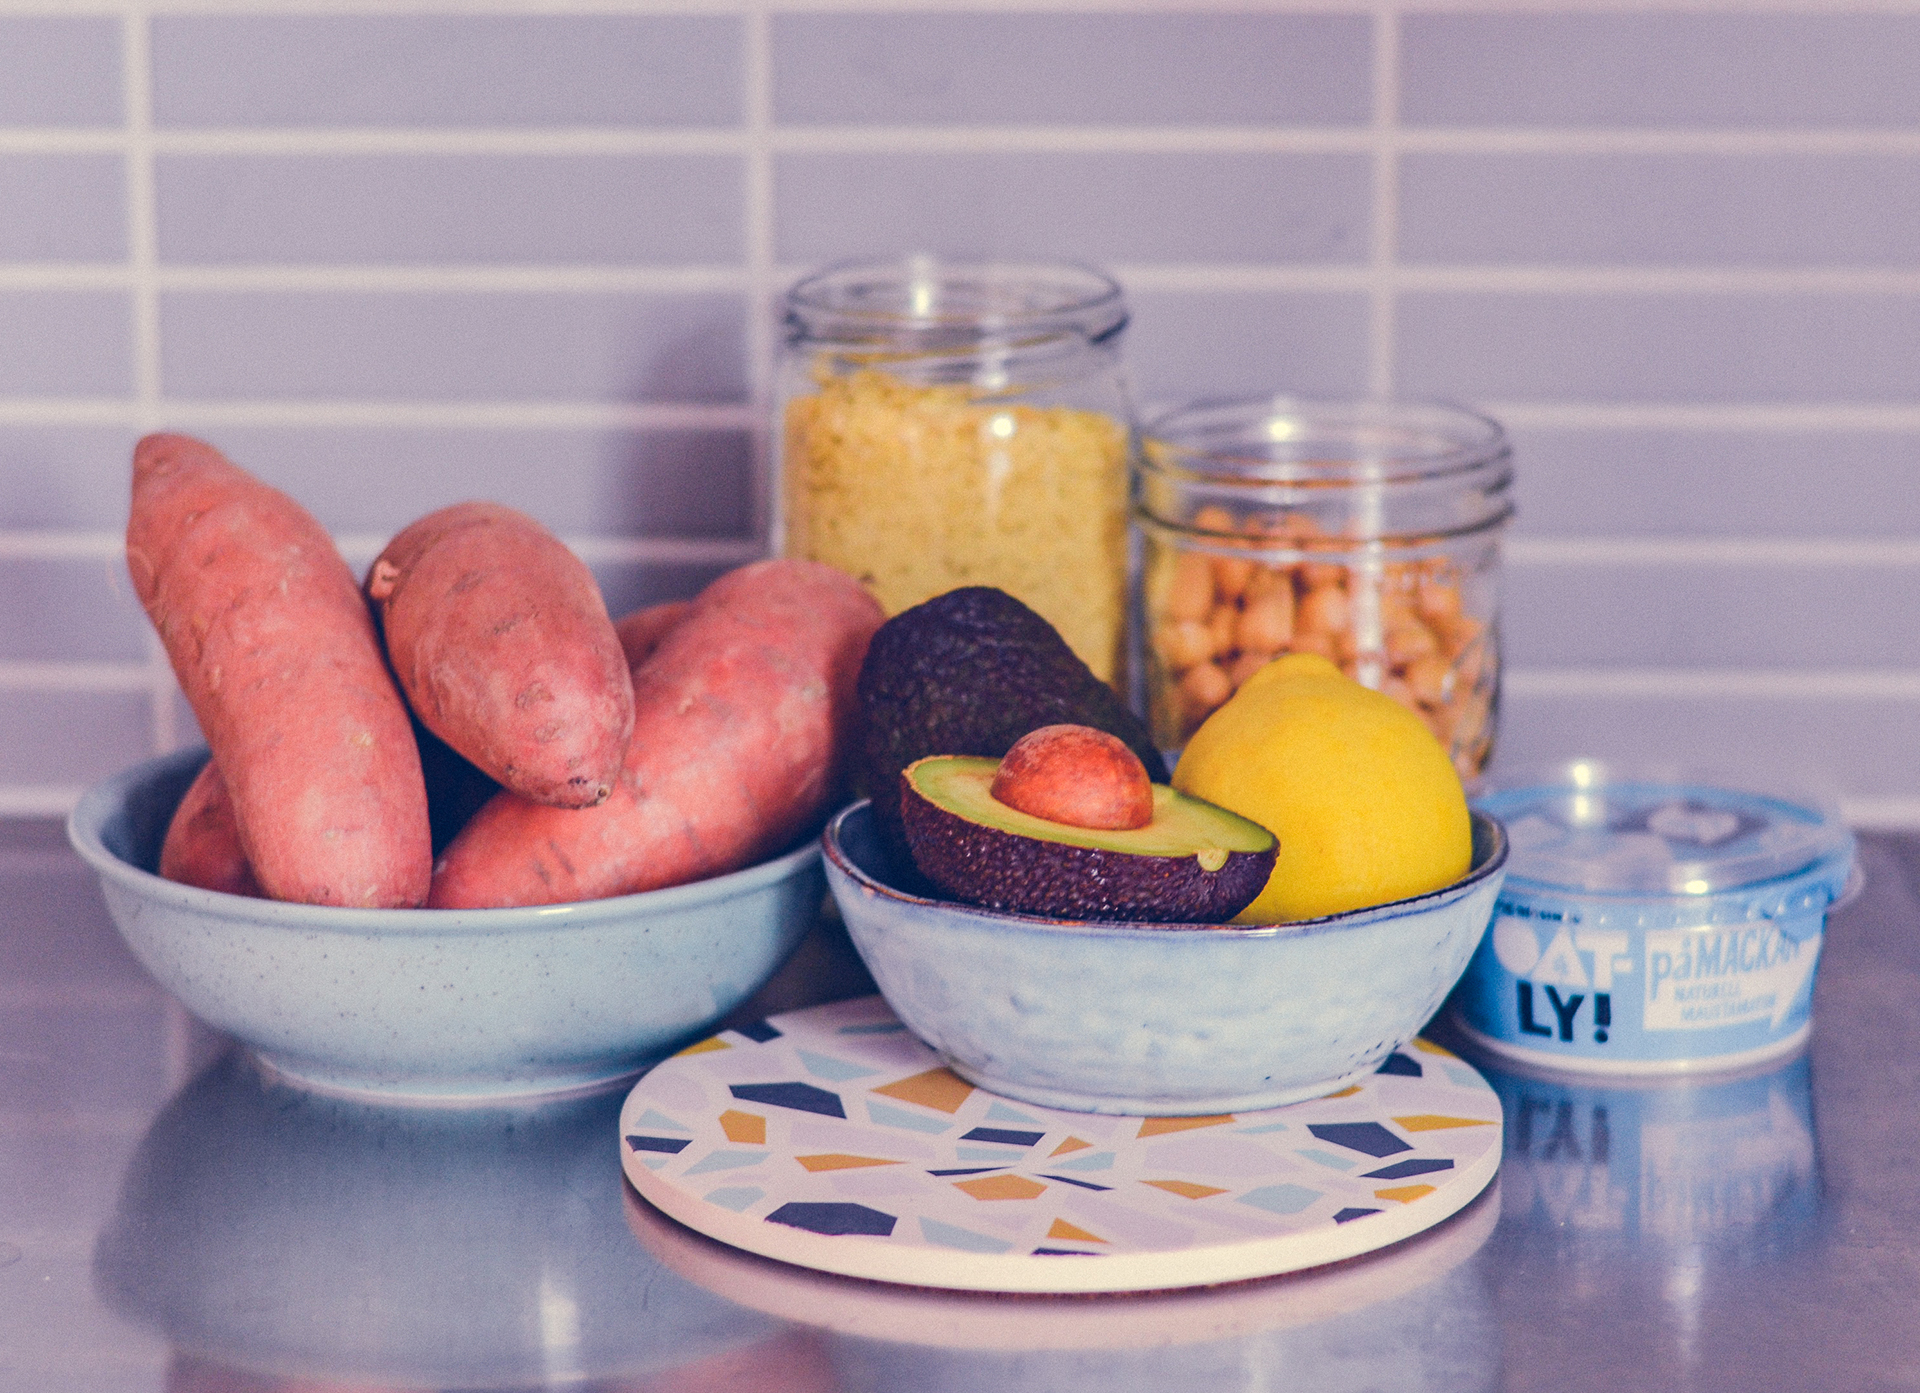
169,1220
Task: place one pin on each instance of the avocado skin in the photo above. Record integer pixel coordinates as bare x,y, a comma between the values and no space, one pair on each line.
968,673
1028,875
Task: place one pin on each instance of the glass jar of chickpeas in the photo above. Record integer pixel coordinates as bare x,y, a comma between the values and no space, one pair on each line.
1367,532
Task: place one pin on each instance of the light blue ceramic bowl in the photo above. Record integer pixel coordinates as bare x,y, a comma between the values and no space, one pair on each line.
1163,1019
442,1004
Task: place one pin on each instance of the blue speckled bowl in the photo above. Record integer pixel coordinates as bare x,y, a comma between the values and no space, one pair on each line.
1163,1019
442,1004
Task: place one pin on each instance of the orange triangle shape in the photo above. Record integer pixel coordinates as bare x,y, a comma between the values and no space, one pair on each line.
706,1046
1070,1144
840,1161
744,1127
1420,1042
1154,1126
1434,1122
1062,1229
1346,1092
1406,1194
939,1089
1185,1187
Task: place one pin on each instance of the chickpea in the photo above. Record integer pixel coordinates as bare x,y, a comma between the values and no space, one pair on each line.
1266,624
1185,643
1190,591
1205,687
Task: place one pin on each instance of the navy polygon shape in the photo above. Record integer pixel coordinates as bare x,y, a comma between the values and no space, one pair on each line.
833,1219
1369,1137
801,1097
673,1146
1400,1170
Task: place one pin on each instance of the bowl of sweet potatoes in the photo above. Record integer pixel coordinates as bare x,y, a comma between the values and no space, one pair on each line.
458,833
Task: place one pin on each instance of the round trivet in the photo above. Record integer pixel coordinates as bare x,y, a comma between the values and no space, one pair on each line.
832,1138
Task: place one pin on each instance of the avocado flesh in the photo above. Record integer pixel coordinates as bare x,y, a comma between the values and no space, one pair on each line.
968,673
1192,863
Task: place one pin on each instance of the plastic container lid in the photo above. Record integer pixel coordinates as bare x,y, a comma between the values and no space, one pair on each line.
1603,844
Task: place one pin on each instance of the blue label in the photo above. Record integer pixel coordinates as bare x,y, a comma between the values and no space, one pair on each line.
1553,985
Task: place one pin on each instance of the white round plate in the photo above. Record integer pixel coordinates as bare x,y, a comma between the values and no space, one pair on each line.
833,1139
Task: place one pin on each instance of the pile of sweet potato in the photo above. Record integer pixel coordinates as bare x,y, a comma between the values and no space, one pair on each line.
477,665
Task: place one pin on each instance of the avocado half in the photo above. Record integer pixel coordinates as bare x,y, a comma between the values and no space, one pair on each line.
1193,863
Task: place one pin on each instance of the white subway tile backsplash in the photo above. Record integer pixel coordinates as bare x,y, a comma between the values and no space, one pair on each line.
390,256
64,477
413,346
447,69
630,585
70,609
398,209
1712,615
62,207
1772,210
1866,748
1185,346
1102,206
1648,347
60,70
614,483
1718,483
65,343
1003,69
64,739
1661,67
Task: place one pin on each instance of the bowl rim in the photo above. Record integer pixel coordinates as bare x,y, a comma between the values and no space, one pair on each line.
103,799
1493,866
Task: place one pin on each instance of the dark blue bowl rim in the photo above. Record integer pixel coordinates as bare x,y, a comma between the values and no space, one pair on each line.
1492,865
102,800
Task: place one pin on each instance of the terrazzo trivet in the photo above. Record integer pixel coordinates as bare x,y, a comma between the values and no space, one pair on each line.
834,1139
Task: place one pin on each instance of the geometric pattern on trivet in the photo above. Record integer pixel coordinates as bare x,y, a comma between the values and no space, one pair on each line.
832,1138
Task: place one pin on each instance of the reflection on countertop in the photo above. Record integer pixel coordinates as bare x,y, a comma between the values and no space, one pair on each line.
172,1221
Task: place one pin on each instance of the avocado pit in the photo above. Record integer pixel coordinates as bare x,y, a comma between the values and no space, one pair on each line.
1076,775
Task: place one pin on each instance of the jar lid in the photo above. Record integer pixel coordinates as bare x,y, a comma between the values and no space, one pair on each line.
1588,827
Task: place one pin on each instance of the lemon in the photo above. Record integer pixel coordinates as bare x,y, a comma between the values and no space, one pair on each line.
1365,802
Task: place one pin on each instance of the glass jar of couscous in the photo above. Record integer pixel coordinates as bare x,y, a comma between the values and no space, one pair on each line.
1367,532
945,424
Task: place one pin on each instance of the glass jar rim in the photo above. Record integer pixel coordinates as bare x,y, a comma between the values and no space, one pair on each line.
927,297
1320,441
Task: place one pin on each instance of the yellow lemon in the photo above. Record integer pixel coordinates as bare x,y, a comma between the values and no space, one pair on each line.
1365,802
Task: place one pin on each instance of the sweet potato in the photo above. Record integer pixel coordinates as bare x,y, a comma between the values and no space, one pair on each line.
502,643
276,651
640,632
742,720
202,845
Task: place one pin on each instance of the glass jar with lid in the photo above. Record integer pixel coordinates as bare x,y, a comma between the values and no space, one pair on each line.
1368,532
945,424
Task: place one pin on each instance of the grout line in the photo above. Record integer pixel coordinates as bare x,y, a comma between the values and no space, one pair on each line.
1537,551
1713,683
982,138
1383,287
1378,274
1805,552
360,548
763,338
443,415
39,800
29,676
1785,418
1779,417
143,259
1881,812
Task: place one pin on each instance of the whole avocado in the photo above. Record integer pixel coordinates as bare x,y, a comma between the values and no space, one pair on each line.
968,673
